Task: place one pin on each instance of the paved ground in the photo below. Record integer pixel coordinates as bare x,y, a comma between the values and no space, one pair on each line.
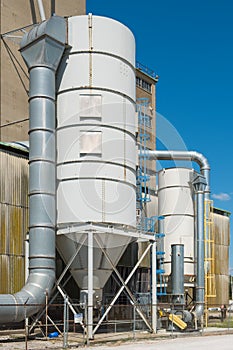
219,342
160,342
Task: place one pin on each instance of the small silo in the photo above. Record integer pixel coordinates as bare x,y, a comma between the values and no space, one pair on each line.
176,205
96,146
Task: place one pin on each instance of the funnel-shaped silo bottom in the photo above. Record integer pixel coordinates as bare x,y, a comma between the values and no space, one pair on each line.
107,240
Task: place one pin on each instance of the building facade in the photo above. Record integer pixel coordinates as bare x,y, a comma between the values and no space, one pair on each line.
14,77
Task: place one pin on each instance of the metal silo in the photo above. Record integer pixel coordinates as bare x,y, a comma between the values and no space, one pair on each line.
175,198
96,152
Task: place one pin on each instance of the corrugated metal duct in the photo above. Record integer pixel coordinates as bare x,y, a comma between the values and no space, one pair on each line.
42,49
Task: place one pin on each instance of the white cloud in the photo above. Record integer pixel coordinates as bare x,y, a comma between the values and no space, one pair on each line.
221,196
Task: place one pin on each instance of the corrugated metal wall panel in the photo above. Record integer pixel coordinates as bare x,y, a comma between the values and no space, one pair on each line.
222,287
221,229
221,260
5,273
14,219
222,242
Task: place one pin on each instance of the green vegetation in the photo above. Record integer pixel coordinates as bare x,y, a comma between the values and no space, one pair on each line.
227,323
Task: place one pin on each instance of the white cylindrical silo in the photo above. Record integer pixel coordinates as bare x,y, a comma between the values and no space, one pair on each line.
96,124
175,198
96,144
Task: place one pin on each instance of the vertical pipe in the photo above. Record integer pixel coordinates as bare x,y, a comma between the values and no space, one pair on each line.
177,274
200,279
90,287
65,323
46,315
154,287
41,10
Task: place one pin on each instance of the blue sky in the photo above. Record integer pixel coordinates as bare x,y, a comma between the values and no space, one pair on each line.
190,46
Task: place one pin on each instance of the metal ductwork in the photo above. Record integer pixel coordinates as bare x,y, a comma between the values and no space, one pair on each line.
199,184
42,49
177,275
202,187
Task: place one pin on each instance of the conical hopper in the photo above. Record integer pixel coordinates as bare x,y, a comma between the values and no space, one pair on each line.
113,244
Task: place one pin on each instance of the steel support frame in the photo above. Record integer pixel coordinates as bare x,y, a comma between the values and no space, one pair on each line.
124,285
91,237
59,288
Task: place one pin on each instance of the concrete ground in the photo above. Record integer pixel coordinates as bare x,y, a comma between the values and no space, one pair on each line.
211,338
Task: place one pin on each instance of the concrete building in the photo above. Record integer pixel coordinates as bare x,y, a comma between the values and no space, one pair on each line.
14,82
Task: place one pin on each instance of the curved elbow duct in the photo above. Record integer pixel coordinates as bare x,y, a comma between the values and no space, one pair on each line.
42,49
203,193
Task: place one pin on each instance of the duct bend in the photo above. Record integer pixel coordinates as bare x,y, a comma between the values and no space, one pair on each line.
202,187
42,49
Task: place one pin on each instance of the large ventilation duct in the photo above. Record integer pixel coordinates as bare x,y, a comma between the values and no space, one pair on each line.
203,193
41,49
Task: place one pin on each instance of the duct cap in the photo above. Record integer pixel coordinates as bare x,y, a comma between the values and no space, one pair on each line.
44,44
199,183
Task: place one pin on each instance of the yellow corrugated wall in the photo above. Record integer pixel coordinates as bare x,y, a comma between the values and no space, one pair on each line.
13,219
222,242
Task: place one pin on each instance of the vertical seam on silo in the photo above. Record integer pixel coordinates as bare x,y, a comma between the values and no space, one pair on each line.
103,200
124,121
90,48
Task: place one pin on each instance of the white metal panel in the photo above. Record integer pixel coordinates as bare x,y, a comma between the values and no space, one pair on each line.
108,36
179,230
175,201
78,33
76,72
175,177
90,105
117,146
90,142
120,77
85,200
117,110
101,170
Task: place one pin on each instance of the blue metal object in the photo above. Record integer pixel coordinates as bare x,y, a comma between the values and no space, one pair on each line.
53,335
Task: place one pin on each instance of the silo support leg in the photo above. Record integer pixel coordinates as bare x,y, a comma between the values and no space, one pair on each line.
154,288
90,287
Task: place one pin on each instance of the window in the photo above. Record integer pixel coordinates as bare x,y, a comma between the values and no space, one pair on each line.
90,143
143,84
90,106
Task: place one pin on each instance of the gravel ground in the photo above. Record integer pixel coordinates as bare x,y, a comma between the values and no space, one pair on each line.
213,342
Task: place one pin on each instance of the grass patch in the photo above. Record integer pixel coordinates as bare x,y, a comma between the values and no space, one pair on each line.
228,323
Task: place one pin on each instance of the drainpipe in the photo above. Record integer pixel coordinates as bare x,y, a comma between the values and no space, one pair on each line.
203,193
42,49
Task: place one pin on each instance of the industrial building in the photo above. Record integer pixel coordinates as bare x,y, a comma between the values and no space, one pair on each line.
99,213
